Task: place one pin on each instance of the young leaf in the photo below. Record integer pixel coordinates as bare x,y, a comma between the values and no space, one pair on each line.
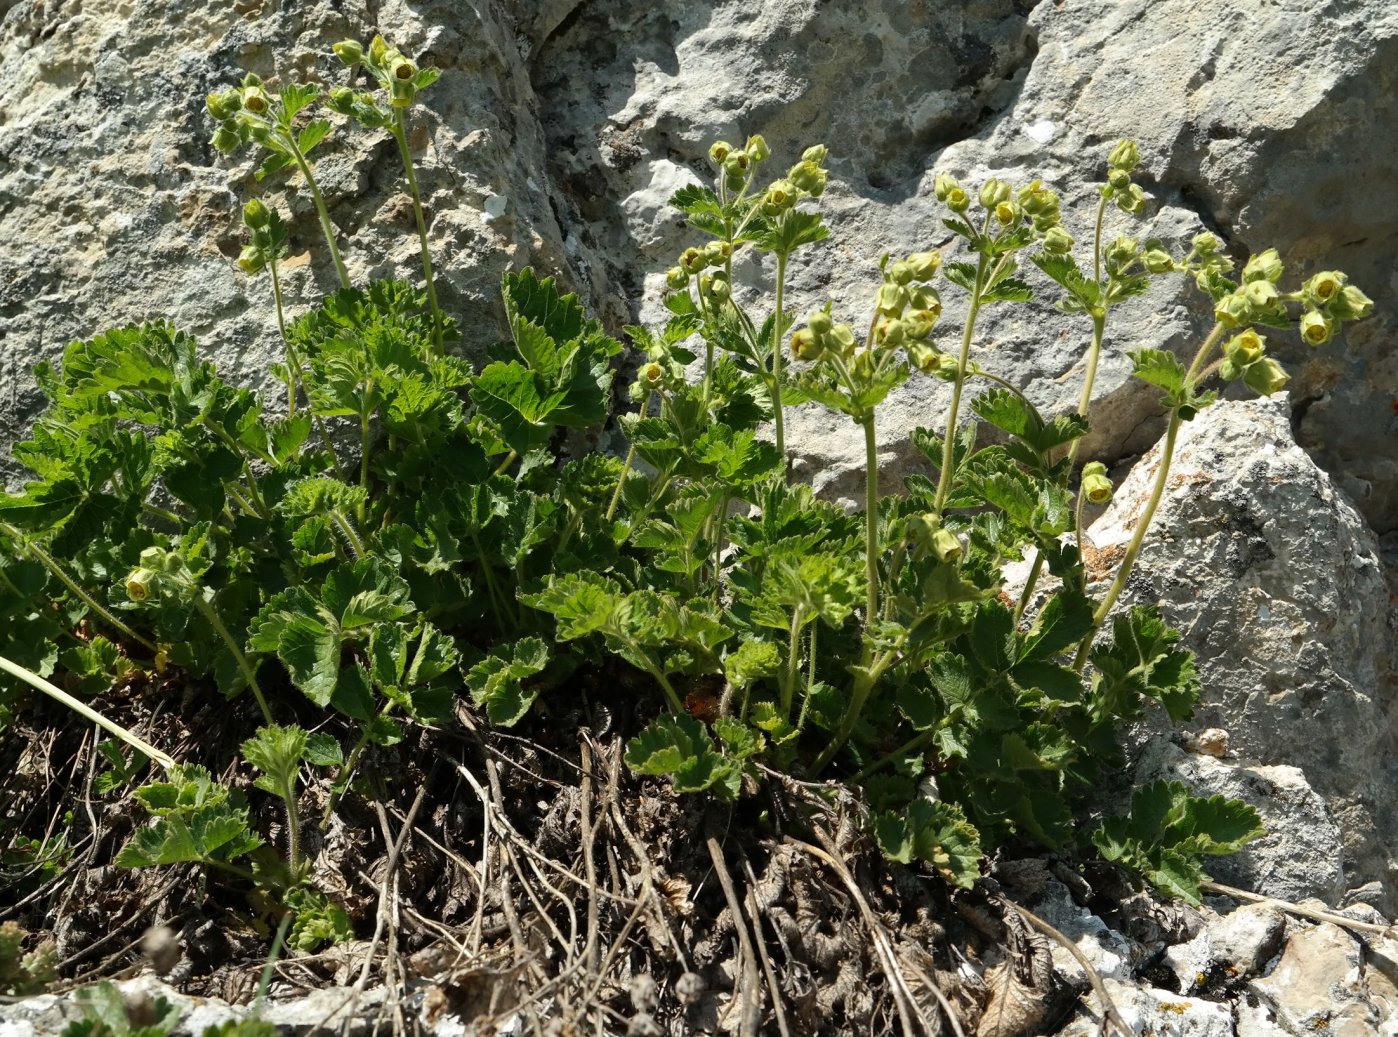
681,747
498,682
932,831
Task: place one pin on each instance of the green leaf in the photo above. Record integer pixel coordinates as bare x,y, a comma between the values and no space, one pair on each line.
277,752
312,135
1143,660
1008,289
681,747
324,750
1062,622
795,228
752,661
275,161
1159,368
498,682
932,831
365,592
311,652
583,603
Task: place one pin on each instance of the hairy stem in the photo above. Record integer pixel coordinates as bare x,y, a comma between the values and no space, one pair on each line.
327,228
400,134
293,363
777,361
944,477
244,667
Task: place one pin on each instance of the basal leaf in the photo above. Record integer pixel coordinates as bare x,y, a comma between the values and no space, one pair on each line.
499,682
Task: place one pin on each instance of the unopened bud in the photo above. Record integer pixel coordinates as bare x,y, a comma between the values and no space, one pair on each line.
892,299
1351,304
757,148
780,197
919,323
808,177
224,104
1205,243
403,93
1132,200
1245,348
378,51
1316,328
900,272
719,151
993,192
1121,251
925,265
1157,261
958,201
226,140
1262,294
1265,266
341,100
717,251
863,366
888,332
925,297
251,260
676,278
945,546
1265,377
1007,214
1229,370
256,214
1038,200
820,323
815,153
719,288
944,185
805,345
1233,310
1057,241
692,261
1124,156
924,357
842,335
351,52
1096,487
1119,180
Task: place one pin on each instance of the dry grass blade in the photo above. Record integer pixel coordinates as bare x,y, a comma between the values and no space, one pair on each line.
1300,912
1109,1009
751,1004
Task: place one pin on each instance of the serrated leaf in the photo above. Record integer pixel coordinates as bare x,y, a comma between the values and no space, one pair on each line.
311,135
277,752
680,746
1159,368
498,682
961,274
1143,660
936,832
583,603
1063,621
324,750
273,163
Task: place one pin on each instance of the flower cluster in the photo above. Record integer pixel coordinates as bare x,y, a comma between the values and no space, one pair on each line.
398,77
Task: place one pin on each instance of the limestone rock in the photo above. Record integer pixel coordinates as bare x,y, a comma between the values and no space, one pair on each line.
1319,985
1275,582
1236,945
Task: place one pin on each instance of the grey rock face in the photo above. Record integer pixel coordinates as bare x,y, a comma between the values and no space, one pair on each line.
1275,581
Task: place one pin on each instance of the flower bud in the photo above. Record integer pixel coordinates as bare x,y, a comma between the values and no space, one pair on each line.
919,323
888,332
820,323
351,52
1265,266
676,278
863,366
925,297
924,357
258,132
403,93
1057,241
1132,200
1323,287
1205,244
805,345
341,100
1316,328
925,265
1233,310
842,335
815,153
780,197
226,140
892,299
1228,370
944,185
899,272
251,79
255,100
1265,376
1007,214
719,289
1119,180
1261,294
252,260
256,214
1096,487
808,177
138,584
1157,261
1351,304
945,546
1245,348
757,148
993,192
1121,252
224,104
719,151
717,251
1038,200
958,201
378,51
1125,156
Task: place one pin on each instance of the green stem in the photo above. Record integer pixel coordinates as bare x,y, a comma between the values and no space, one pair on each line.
82,709
915,742
625,471
327,228
293,362
1099,326
510,459
793,664
51,564
161,513
1029,583
777,361
293,828
871,527
348,531
401,135
944,477
676,704
244,667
